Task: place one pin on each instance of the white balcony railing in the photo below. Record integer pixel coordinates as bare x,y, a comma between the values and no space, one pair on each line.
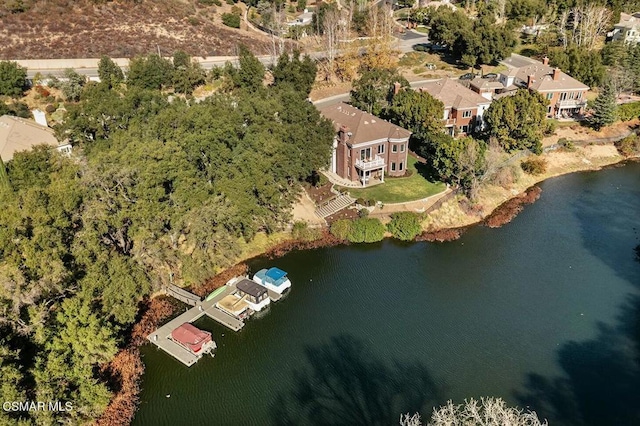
374,163
449,122
572,103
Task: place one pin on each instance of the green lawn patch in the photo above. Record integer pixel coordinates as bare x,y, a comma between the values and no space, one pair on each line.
400,190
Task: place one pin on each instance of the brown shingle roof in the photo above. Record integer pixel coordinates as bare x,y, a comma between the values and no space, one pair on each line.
19,134
453,94
364,127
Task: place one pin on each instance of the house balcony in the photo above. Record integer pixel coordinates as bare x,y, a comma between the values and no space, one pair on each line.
372,164
571,103
449,122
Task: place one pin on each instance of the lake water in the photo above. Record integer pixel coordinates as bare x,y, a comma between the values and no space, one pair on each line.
543,312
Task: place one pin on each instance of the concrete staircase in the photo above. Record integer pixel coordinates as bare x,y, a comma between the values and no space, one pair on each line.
335,205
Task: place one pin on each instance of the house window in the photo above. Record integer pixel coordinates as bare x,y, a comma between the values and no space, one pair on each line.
549,96
402,148
349,154
464,129
393,167
394,148
365,154
400,166
563,96
466,114
380,149
549,109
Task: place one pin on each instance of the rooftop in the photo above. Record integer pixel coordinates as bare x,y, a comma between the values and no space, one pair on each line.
485,83
629,21
187,334
364,127
542,75
250,287
453,94
19,134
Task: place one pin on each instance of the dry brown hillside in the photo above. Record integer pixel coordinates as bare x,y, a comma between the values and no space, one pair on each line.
91,28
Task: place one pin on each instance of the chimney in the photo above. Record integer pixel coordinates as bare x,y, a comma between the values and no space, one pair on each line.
396,88
530,81
343,133
556,73
545,61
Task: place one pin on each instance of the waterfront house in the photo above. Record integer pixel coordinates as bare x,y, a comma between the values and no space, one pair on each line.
628,29
19,134
565,94
463,108
366,147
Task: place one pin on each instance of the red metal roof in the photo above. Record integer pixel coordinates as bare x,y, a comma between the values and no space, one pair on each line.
189,335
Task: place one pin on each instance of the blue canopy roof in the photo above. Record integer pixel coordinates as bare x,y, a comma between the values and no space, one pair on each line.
276,273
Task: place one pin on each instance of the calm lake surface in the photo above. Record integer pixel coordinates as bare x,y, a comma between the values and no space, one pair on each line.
543,312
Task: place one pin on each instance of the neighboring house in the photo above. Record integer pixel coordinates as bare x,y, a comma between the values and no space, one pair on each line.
19,134
463,108
566,95
304,18
628,29
485,87
365,146
533,30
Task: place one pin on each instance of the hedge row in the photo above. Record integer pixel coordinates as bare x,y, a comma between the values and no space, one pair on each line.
403,225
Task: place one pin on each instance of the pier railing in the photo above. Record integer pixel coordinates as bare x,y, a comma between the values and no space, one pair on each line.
183,295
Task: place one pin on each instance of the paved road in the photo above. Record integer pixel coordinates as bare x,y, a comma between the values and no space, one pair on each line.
89,66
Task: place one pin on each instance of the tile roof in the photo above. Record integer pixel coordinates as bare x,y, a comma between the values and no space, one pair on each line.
364,127
453,94
19,134
629,21
485,83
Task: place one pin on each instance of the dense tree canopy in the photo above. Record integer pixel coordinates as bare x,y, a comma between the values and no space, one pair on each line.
374,90
518,121
417,111
149,72
13,79
604,107
109,72
158,192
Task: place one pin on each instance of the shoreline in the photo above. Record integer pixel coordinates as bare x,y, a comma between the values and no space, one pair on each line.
127,368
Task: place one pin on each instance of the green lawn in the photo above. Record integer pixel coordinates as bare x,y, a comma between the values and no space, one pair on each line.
399,190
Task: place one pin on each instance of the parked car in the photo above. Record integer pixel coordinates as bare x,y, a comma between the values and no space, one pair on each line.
467,76
490,75
437,47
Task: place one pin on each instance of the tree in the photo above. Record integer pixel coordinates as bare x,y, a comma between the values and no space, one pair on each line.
582,64
13,79
331,26
231,20
486,412
604,107
150,72
404,225
300,74
374,90
250,73
417,111
72,85
186,74
518,121
109,72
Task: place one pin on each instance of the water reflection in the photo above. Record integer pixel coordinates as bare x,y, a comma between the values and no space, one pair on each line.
346,384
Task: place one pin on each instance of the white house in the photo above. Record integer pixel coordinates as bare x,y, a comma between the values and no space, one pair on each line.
628,29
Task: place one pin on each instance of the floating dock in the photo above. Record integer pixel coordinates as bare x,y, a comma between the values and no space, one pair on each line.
162,336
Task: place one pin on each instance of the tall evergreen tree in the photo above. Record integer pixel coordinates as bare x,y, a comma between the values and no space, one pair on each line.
13,78
109,72
604,107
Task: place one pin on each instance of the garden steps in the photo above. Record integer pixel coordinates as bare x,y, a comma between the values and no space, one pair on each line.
340,202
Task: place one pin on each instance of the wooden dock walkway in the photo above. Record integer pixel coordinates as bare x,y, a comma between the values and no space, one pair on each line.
162,336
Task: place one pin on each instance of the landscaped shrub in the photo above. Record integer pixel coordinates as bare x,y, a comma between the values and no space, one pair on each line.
301,231
404,225
629,146
534,166
566,144
629,111
360,201
366,230
341,228
363,213
231,20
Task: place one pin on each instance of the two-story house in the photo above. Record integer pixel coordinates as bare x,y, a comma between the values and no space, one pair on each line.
628,29
463,108
366,147
565,94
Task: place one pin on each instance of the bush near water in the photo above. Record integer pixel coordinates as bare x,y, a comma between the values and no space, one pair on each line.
363,230
405,225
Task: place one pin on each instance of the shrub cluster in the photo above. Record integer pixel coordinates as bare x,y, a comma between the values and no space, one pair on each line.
534,166
366,202
363,230
404,225
231,20
301,231
629,111
629,146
